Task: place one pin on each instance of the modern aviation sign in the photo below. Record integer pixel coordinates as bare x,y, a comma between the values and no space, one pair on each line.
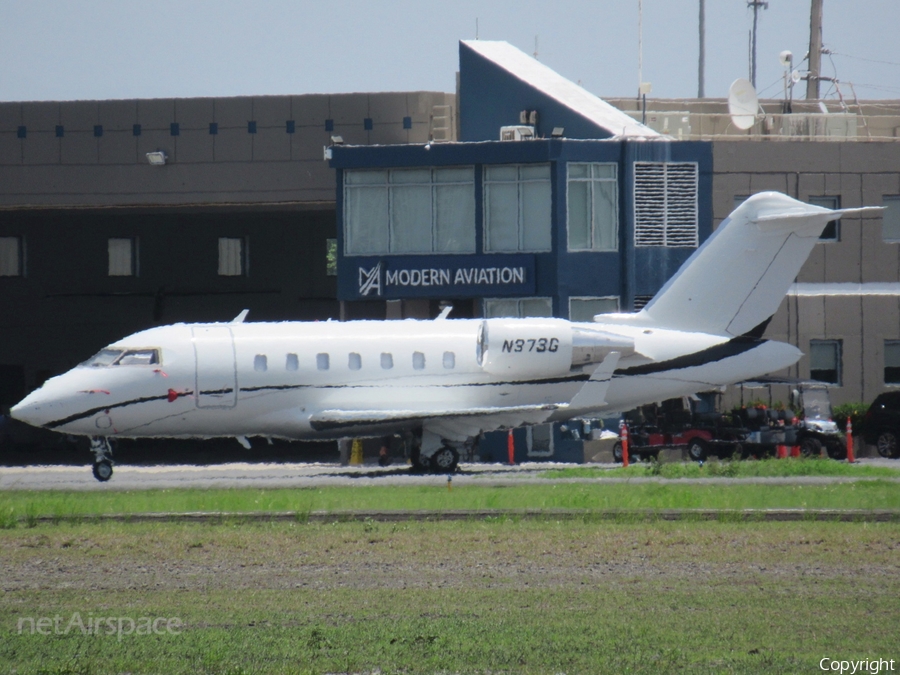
437,277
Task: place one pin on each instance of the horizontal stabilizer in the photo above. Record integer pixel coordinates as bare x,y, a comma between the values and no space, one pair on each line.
737,279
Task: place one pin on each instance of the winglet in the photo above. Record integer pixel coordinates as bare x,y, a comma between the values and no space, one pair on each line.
240,317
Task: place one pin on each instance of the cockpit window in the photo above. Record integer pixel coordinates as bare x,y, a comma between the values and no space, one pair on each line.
138,357
123,357
105,357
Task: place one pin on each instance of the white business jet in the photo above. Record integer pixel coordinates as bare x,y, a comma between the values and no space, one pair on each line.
446,380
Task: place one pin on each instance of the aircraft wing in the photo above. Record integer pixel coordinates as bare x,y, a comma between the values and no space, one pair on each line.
336,419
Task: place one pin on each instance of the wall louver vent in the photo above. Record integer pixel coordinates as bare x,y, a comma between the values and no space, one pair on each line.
665,204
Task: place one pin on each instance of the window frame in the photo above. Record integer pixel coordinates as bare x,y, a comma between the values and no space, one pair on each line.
133,256
835,203
485,303
839,358
390,187
892,343
886,201
520,223
591,181
244,257
19,255
582,298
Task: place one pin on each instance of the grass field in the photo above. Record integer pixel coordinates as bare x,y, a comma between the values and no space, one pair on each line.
500,596
23,508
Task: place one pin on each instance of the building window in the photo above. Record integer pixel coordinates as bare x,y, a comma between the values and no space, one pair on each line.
825,361
665,204
832,231
292,362
232,256
331,257
123,256
593,209
322,361
892,362
425,210
418,361
260,363
517,307
890,218
354,362
11,257
584,309
517,208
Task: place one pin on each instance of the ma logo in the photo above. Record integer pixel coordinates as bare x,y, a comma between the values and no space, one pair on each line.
370,280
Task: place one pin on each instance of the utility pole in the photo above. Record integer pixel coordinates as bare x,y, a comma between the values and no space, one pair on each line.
700,92
815,50
755,4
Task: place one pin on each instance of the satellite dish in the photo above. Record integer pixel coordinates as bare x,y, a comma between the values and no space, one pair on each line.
786,58
743,103
796,76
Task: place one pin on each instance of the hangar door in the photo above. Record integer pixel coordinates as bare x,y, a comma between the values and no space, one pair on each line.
216,367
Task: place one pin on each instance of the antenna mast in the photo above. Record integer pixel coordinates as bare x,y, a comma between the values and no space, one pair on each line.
755,4
700,91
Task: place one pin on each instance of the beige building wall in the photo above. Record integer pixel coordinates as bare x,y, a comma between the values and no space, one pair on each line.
858,173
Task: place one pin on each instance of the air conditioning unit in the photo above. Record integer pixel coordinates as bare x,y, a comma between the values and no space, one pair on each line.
516,133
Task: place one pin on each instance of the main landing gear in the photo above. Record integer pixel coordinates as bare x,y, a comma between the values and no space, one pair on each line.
103,466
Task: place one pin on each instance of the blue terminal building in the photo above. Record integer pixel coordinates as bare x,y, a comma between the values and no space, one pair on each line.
550,203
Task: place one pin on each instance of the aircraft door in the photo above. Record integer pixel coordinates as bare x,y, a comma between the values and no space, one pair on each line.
216,380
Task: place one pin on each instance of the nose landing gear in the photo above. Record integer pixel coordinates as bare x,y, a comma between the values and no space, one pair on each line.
103,466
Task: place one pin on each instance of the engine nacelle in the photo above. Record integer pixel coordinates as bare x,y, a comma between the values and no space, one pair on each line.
522,348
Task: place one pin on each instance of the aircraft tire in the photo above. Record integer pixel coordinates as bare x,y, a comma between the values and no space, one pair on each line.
103,470
445,460
698,450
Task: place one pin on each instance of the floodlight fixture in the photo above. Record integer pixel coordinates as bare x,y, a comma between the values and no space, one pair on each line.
337,140
557,132
157,158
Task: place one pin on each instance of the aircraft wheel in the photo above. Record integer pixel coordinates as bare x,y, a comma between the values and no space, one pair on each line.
103,470
697,450
445,460
887,444
810,447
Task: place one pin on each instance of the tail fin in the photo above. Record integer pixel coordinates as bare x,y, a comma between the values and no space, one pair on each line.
736,280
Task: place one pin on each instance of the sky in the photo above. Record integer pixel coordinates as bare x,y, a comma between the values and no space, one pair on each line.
107,49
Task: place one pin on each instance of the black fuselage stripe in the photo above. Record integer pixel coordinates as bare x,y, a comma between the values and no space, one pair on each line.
719,352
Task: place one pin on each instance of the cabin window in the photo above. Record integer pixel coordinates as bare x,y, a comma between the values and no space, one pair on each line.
421,210
832,231
890,218
355,361
517,208
322,361
292,362
122,252
418,360
232,256
825,361
11,258
387,361
584,309
449,360
260,363
517,307
593,208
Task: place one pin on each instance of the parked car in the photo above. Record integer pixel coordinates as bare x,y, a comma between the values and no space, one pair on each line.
882,425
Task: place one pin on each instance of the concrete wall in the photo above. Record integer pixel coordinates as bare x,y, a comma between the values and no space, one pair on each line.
859,174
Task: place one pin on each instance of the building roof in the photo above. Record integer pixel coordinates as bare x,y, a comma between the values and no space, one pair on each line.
566,92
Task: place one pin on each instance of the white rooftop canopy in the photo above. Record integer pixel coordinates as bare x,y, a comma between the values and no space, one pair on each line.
566,92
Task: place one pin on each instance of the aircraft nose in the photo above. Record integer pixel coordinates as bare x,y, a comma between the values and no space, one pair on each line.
35,409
